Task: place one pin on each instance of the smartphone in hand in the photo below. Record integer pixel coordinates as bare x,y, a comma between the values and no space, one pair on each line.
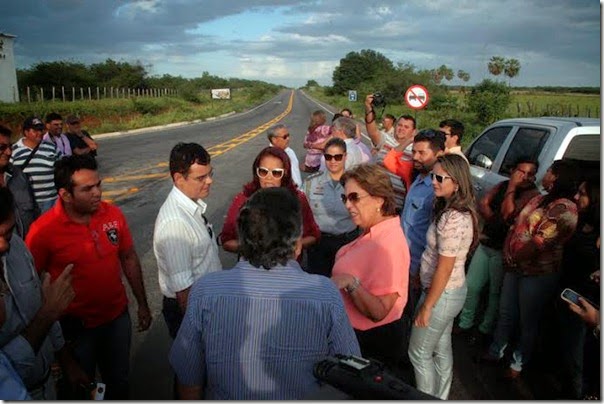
571,296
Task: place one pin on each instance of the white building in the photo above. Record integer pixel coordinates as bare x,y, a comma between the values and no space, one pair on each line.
9,92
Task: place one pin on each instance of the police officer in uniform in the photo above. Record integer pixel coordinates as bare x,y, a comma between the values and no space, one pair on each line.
324,193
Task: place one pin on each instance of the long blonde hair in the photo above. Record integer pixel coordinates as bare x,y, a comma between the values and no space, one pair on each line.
463,199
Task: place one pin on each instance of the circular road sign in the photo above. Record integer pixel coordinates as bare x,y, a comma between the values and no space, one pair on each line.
417,96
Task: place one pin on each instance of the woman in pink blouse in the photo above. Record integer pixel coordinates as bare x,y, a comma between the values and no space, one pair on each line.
451,235
372,271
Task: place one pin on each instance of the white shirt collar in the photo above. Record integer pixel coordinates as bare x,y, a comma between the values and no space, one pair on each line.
187,203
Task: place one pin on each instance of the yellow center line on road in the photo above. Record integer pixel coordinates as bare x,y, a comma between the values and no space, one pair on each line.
214,151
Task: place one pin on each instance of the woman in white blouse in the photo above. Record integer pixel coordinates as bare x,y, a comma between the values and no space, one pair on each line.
451,235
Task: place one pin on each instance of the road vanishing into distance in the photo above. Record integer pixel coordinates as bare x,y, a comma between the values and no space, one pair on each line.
134,169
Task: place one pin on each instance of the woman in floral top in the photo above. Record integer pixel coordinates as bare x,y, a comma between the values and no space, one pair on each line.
316,137
451,235
532,256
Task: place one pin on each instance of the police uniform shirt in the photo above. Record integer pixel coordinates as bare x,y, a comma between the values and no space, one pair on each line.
324,197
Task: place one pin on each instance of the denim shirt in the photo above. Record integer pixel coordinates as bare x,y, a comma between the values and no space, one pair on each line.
416,217
22,304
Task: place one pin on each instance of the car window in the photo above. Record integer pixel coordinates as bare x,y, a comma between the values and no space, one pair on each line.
527,143
584,147
487,146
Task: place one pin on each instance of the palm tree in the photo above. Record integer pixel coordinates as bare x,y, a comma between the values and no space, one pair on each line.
512,68
496,65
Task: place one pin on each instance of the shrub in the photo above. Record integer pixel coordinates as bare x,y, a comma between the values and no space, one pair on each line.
489,100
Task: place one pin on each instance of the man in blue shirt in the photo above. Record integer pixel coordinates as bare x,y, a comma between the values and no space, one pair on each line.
255,332
428,144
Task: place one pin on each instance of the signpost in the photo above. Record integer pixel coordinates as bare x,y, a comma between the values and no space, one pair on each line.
352,95
417,97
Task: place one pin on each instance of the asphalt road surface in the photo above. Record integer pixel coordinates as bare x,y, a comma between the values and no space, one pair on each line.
135,176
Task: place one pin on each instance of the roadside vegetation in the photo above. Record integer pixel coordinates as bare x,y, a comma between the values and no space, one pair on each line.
191,100
476,106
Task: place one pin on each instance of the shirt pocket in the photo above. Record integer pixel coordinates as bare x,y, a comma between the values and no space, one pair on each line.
416,209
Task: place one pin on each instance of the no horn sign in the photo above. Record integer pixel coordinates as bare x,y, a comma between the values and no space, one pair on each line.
417,96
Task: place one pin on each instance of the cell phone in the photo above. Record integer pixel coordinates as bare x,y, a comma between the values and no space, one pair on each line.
571,296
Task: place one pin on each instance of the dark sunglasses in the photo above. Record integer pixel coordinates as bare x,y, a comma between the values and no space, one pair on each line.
3,147
336,157
353,197
284,137
439,178
275,172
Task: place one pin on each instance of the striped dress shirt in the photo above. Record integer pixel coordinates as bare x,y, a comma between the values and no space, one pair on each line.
252,334
40,169
184,245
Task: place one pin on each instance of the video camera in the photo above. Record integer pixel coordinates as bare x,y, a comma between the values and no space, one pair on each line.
378,100
365,379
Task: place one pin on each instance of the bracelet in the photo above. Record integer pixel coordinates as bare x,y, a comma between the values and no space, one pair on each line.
369,112
355,284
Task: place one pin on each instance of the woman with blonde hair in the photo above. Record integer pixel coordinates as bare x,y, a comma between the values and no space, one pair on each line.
316,137
451,235
373,271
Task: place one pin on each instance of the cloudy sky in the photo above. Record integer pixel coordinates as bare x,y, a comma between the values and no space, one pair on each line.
289,42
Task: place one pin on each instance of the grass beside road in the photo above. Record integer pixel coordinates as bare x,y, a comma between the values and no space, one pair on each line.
112,115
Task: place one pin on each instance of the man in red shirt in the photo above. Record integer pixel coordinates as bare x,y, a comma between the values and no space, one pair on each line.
94,237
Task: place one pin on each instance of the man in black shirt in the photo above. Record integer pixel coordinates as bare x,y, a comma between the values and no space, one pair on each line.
81,142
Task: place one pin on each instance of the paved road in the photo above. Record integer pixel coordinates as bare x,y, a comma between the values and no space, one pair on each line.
135,172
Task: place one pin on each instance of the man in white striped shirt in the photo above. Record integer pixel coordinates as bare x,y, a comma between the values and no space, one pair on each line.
39,168
184,242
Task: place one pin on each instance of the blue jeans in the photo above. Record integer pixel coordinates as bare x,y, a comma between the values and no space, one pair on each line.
521,306
107,346
45,205
430,349
486,267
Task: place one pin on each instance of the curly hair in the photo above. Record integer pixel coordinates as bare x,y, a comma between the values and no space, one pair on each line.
286,182
463,199
268,227
373,179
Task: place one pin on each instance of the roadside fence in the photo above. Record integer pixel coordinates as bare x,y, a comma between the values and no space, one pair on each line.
34,94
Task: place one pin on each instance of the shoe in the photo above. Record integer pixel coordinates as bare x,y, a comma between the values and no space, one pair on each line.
511,374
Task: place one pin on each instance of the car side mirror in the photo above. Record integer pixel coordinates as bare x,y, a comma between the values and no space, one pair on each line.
483,161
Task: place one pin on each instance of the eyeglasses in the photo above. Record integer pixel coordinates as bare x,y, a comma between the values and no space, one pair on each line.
353,197
203,178
336,157
284,137
3,147
276,173
439,178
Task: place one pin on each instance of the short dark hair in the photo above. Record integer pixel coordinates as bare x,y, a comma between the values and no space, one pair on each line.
434,137
5,131
268,226
53,116
336,141
527,160
184,155
7,204
390,116
457,128
409,118
347,110
67,166
336,116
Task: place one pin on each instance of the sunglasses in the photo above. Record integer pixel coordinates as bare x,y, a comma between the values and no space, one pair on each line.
352,197
3,147
276,173
284,137
336,157
439,178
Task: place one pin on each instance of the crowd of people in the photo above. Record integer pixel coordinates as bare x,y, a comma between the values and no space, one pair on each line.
381,252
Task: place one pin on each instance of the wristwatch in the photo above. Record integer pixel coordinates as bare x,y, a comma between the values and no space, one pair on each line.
352,287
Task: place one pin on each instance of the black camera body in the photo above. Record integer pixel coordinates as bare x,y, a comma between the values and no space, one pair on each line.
378,100
365,379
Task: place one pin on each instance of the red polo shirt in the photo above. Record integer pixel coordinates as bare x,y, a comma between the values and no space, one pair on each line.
56,241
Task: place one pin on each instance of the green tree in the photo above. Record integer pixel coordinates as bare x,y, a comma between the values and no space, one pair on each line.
489,100
119,74
463,76
311,83
358,67
496,65
511,68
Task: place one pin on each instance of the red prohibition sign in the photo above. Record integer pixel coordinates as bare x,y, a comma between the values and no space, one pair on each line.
417,96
